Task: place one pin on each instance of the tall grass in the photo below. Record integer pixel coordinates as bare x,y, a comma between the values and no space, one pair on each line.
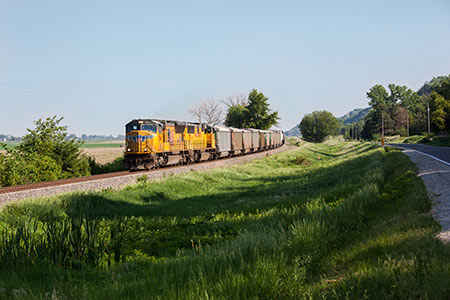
349,223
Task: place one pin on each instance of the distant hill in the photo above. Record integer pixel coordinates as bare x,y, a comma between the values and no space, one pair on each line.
295,131
354,116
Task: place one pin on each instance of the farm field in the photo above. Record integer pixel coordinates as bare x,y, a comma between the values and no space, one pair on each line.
103,155
103,144
324,221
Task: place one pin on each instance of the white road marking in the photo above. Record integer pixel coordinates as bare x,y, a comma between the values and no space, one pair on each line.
433,157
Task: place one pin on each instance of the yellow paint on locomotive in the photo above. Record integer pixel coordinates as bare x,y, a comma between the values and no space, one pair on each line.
170,139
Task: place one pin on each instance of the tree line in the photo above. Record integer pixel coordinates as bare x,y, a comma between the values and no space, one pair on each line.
399,110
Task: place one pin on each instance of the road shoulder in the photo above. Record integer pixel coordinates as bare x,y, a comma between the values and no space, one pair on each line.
436,177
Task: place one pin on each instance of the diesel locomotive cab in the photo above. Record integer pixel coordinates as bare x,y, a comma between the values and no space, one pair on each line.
141,143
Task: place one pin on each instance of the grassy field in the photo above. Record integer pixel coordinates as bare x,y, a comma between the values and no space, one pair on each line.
326,221
9,144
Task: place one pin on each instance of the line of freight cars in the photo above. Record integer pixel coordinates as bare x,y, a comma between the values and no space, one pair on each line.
152,143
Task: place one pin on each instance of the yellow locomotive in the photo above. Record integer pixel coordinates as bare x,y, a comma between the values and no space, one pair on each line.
152,143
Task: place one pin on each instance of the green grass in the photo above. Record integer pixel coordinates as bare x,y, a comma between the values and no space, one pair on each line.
435,141
9,145
325,221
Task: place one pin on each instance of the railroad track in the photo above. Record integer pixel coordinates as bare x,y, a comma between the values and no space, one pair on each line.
45,184
110,180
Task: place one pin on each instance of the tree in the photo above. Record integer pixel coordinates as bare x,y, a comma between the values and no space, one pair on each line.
252,113
257,114
208,111
44,154
379,101
440,116
407,99
318,125
231,101
236,116
437,93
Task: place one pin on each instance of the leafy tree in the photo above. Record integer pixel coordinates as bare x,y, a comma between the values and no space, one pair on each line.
444,88
318,125
440,84
257,114
379,101
254,113
440,116
437,93
49,139
407,99
45,154
378,97
236,116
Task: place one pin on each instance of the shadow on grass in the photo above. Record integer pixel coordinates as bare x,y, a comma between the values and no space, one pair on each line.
354,150
266,192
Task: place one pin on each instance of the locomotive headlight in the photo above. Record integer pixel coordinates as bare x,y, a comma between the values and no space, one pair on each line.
128,149
145,149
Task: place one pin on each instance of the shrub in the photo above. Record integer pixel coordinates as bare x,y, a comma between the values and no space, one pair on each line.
45,154
114,166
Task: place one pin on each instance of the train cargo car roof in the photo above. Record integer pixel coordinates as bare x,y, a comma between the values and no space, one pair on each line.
236,129
221,128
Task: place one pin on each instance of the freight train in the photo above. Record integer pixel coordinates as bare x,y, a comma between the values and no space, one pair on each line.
152,143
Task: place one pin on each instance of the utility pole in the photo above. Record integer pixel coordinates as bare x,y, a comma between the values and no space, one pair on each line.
428,112
407,123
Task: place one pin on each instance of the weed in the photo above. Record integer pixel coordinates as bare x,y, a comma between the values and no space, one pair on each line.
142,179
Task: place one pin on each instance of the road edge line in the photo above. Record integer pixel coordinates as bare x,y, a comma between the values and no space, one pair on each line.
433,157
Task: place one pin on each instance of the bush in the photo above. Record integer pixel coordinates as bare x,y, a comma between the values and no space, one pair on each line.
114,166
45,154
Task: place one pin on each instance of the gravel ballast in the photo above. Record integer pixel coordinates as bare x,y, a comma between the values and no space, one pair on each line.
122,181
436,177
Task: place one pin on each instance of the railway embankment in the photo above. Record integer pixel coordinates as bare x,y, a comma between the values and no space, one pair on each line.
333,220
117,180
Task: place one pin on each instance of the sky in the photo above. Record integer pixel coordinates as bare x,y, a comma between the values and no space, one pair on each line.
100,64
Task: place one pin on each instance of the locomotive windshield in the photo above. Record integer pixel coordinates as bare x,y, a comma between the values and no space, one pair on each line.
149,127
131,127
134,126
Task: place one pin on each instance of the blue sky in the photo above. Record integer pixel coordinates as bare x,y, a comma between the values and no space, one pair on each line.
100,64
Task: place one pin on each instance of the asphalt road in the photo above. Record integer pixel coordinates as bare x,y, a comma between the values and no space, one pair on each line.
443,153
